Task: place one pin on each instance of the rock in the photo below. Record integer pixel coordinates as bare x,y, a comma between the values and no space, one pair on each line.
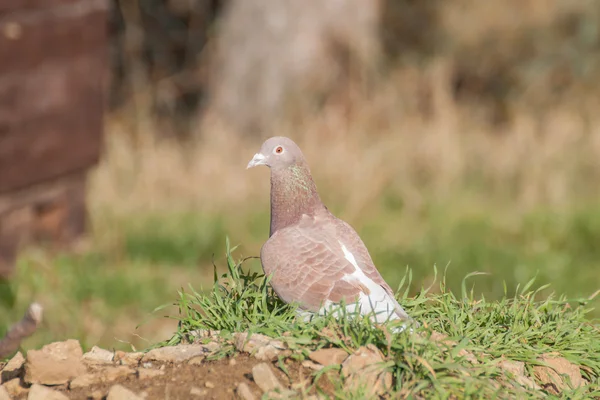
4,393
84,380
110,374
196,360
149,373
467,356
361,368
312,365
328,356
179,353
243,392
194,391
265,378
129,359
13,369
14,388
443,339
209,384
39,392
118,392
260,346
55,363
96,395
98,356
104,375
517,370
550,376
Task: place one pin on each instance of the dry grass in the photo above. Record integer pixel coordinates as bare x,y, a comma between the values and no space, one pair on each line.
359,150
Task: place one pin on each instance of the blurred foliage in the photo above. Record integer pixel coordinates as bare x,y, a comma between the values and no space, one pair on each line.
166,47
7,296
410,30
156,45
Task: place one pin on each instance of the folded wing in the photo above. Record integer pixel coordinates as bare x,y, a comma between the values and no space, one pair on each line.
321,261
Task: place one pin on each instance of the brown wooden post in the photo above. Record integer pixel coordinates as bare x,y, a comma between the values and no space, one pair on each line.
53,59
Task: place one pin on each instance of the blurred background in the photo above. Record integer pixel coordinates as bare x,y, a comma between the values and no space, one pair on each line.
457,134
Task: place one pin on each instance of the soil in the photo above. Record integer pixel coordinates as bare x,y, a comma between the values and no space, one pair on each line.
208,380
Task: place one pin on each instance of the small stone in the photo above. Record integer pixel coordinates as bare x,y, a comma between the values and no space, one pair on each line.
196,360
209,385
84,380
243,392
98,356
467,356
55,364
265,378
194,391
260,346
129,359
212,346
118,392
113,373
550,377
232,362
4,393
149,373
13,369
443,340
361,368
312,365
14,388
39,392
517,370
96,395
179,353
328,356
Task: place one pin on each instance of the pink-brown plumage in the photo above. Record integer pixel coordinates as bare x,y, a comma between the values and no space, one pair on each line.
315,259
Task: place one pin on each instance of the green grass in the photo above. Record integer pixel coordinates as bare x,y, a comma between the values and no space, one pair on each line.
519,327
138,261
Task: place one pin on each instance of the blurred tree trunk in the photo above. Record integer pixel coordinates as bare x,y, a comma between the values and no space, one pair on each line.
276,55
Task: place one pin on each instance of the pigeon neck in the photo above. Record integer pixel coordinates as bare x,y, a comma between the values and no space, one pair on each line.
293,193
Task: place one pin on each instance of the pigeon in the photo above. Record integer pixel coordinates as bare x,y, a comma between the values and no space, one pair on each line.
316,260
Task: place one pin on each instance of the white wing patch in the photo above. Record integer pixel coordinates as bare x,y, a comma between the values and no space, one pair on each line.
378,301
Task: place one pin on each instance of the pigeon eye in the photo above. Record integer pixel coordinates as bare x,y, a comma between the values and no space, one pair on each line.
278,150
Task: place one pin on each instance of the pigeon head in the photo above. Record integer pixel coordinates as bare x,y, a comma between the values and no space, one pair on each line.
293,191
277,153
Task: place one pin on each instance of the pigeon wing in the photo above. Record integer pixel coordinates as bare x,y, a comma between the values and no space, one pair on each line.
308,266
357,248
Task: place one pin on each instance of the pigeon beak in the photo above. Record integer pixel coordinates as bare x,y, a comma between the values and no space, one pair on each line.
258,159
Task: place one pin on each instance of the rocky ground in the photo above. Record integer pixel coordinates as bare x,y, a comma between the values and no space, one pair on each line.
261,365
62,371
